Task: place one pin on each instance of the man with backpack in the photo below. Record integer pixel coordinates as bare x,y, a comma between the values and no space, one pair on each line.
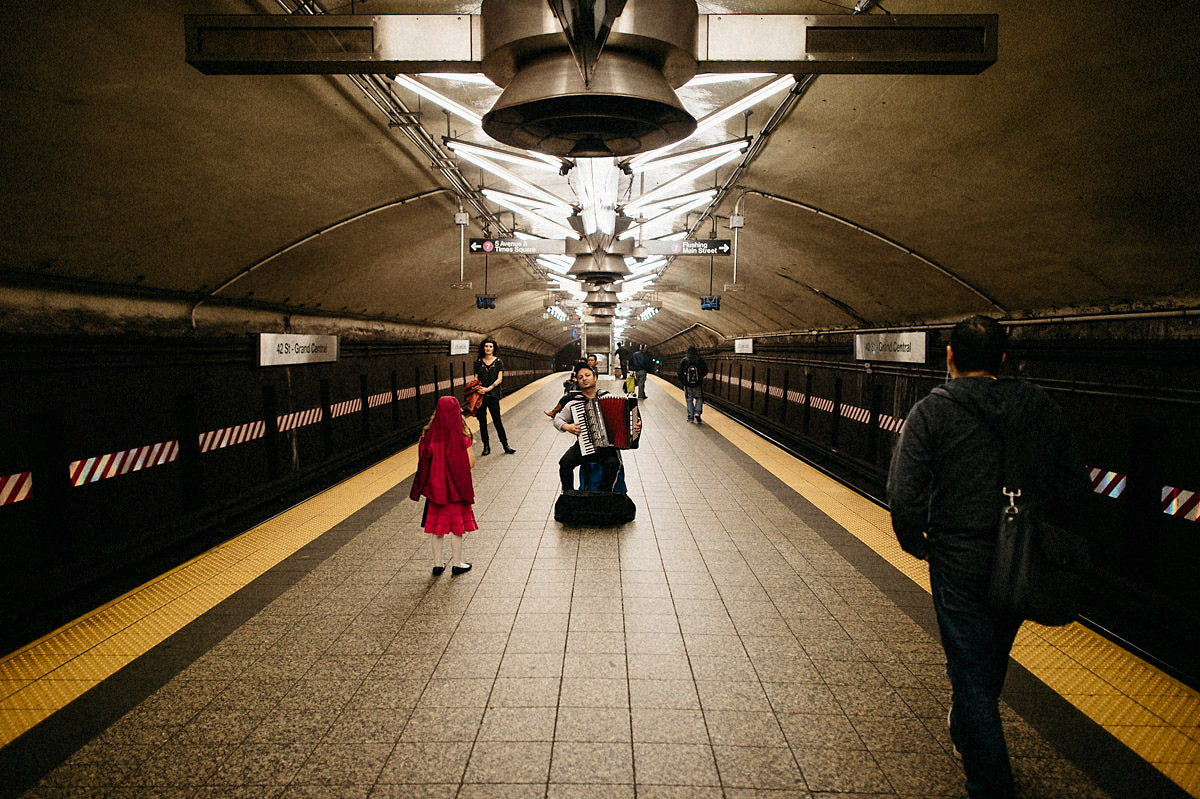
640,363
944,492
691,373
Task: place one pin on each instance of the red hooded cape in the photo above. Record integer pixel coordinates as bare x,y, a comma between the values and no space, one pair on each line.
443,470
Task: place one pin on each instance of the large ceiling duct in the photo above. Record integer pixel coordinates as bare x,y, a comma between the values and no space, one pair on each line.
627,106
601,298
598,268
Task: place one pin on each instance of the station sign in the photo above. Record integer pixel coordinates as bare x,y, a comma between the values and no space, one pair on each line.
518,246
689,247
287,349
900,347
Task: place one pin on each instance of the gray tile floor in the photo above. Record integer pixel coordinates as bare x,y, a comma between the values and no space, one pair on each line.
717,646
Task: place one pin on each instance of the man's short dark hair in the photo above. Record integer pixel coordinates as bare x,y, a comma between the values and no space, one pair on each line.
979,344
583,366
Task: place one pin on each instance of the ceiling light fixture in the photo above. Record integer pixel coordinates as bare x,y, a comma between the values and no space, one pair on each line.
504,174
533,203
524,158
437,98
502,199
709,78
720,115
692,155
665,189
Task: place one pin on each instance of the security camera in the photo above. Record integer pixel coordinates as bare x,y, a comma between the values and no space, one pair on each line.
640,253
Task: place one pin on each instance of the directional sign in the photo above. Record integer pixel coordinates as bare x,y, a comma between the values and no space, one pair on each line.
518,246
689,247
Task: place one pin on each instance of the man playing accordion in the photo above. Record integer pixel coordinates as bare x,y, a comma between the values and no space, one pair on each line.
603,450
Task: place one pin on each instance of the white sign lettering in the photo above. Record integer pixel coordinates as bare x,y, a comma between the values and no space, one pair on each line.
285,349
904,347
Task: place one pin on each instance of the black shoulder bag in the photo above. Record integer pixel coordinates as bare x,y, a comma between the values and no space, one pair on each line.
1040,569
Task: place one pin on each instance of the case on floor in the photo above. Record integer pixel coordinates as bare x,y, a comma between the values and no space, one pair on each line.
594,509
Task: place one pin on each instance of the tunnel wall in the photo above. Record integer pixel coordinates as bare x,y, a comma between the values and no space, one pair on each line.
1131,393
121,458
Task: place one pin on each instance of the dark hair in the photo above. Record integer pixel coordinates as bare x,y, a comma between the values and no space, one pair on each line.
585,366
495,346
979,344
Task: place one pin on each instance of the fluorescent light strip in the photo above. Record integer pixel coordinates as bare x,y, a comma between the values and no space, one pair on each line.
524,158
477,78
668,204
439,99
720,115
665,189
530,202
529,212
709,78
692,155
504,174
698,200
554,266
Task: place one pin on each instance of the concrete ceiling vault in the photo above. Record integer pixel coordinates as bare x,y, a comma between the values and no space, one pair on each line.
141,195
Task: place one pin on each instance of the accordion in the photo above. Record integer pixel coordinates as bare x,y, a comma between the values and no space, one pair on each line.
605,422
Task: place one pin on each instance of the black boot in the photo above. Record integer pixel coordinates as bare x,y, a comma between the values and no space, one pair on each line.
487,450
507,449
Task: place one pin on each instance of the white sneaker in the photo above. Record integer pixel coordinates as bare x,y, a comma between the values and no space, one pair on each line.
953,746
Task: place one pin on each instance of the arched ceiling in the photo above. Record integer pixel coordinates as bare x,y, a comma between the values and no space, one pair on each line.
140,194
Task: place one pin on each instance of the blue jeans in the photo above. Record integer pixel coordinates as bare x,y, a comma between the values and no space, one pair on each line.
693,398
977,641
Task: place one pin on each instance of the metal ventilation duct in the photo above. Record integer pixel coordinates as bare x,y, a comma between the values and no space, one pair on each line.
601,298
598,268
629,104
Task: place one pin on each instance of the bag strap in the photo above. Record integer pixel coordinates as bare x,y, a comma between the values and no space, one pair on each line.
1010,478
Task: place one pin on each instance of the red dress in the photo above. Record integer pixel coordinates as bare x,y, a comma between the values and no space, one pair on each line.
444,478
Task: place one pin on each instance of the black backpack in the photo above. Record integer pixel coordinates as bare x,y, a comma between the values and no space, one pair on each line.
691,374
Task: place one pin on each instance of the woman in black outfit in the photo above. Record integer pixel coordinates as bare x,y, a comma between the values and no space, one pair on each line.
489,370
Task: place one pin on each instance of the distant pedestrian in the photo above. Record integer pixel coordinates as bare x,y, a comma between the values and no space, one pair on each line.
640,363
489,371
691,373
944,493
444,463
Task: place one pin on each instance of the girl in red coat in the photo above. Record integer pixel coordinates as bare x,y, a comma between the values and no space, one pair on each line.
444,462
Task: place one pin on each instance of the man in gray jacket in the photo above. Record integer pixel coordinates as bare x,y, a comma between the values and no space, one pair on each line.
945,499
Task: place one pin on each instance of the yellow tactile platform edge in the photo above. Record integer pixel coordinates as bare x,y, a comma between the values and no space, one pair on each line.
1152,713
50,673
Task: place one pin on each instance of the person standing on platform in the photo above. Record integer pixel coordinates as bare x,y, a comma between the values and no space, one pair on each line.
944,494
623,355
444,463
691,373
640,363
489,370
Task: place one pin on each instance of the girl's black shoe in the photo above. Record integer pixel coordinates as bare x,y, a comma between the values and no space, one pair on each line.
437,570
486,451
466,567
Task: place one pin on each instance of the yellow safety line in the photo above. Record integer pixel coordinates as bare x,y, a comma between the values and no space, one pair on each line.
1149,711
58,668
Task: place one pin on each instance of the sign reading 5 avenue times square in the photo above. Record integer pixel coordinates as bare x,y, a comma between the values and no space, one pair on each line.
905,347
287,349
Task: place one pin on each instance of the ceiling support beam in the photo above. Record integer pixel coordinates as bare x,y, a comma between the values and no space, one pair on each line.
799,44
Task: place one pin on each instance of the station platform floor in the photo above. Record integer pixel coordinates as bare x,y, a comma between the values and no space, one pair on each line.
754,632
